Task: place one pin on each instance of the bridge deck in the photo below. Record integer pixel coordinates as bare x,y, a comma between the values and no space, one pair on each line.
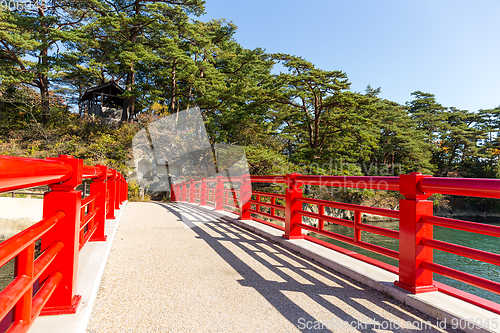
180,268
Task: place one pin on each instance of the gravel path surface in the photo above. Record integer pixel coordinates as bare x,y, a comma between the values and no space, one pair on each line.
167,274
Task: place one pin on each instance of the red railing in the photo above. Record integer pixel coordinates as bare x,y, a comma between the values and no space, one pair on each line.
201,193
416,221
69,222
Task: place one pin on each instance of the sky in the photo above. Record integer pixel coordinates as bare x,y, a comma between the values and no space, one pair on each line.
447,48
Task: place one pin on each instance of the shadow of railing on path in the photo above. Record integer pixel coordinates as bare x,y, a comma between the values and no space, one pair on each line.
348,302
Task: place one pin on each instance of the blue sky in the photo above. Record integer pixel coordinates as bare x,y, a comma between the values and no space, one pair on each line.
448,48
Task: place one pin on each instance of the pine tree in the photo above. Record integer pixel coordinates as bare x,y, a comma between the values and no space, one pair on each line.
30,44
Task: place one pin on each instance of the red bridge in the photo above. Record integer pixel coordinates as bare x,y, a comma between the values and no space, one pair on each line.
229,207
69,223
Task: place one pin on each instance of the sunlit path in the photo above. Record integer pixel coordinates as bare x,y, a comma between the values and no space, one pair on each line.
163,276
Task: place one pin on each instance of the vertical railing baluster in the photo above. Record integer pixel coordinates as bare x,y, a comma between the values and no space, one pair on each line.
321,222
273,202
292,206
412,230
245,196
357,221
203,192
192,190
25,266
117,190
111,184
63,197
184,185
219,192
172,192
99,188
235,196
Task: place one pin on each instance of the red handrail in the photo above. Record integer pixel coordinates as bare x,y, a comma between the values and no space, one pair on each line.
87,219
21,172
474,187
415,214
66,215
268,179
18,292
478,228
369,210
14,245
374,183
91,172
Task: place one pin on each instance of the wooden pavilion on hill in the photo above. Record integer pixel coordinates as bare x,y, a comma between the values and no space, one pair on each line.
103,101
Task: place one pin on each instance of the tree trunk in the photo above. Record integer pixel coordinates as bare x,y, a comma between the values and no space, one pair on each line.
44,94
129,103
317,115
131,109
44,88
174,86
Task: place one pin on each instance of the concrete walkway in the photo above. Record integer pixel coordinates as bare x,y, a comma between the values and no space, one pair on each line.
181,268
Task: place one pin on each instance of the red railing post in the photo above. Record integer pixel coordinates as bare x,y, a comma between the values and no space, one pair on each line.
120,190
219,192
63,197
122,197
125,191
192,190
292,205
111,184
183,191
124,187
24,266
99,187
203,192
321,222
236,200
412,230
357,221
245,196
173,188
117,190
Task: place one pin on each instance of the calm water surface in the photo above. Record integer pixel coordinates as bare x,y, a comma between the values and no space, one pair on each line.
464,238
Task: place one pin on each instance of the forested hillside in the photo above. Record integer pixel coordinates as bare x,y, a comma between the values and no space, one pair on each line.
303,119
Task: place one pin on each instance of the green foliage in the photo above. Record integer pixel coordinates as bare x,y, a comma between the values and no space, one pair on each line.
68,134
428,114
401,145
264,161
30,41
134,192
